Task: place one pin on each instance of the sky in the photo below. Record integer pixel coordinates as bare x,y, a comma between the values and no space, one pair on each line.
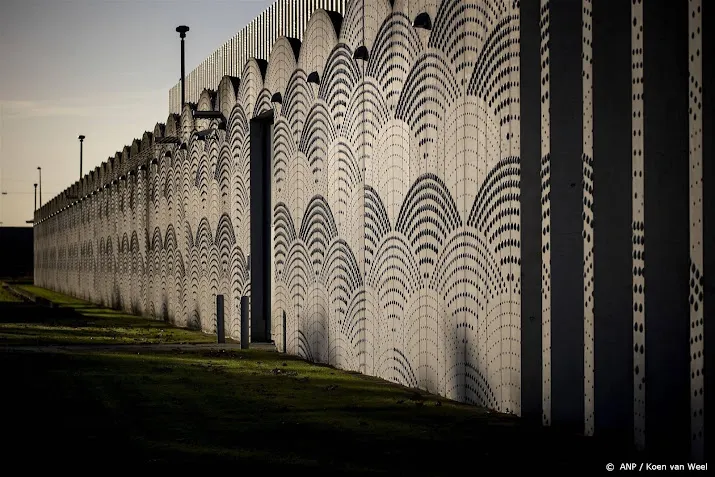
102,68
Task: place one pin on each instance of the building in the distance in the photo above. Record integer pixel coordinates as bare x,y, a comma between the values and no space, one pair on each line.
506,203
16,254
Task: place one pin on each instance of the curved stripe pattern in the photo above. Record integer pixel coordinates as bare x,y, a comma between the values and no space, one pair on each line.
395,207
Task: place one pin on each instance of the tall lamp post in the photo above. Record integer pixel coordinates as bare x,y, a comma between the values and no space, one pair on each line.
81,141
35,184
182,34
39,169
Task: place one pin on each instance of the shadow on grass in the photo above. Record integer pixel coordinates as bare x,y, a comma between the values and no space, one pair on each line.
61,334
268,411
189,407
23,323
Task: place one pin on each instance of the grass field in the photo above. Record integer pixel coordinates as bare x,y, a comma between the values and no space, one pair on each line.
254,410
80,322
263,409
7,297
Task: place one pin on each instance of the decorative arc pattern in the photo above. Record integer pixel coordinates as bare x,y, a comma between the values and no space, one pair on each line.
397,189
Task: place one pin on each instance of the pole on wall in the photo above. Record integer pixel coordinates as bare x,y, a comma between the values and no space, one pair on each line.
245,330
220,333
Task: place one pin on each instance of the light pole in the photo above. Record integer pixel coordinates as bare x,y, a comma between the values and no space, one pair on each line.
35,196
81,141
39,170
182,34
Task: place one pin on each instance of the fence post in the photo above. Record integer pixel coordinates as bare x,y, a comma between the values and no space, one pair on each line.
244,323
220,333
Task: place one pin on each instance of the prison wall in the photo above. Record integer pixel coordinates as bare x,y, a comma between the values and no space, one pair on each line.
461,195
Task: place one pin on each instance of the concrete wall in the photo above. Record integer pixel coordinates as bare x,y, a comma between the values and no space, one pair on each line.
461,198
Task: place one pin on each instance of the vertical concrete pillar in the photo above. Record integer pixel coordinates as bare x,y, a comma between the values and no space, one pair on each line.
612,188
666,230
696,226
220,334
245,323
566,227
261,218
530,73
708,183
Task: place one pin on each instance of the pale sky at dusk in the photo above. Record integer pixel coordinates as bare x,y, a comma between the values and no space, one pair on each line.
102,68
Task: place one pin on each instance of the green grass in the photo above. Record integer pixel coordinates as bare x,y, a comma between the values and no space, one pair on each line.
80,322
53,296
251,409
7,297
269,411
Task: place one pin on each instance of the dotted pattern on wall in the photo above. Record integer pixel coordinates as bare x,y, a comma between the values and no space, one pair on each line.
511,249
638,225
169,233
588,227
413,314
697,345
396,217
545,215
